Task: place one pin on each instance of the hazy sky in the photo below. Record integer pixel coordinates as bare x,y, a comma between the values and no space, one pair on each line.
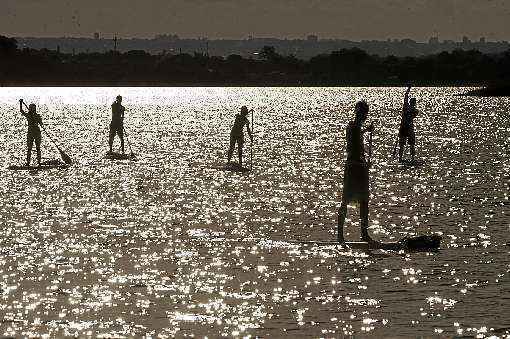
350,19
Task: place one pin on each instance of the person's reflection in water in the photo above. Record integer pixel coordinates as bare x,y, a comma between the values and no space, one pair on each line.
356,174
117,123
34,132
237,134
406,131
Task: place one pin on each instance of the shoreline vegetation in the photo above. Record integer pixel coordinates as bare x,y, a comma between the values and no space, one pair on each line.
346,67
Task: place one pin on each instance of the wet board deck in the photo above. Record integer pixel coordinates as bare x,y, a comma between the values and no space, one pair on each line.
422,243
119,156
392,246
362,245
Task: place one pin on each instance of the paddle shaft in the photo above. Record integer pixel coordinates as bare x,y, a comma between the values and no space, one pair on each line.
127,139
251,148
395,147
370,147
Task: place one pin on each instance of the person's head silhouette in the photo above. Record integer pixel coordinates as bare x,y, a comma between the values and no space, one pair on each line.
244,111
361,110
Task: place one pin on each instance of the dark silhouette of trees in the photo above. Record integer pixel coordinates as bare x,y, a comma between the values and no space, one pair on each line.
269,53
344,67
7,45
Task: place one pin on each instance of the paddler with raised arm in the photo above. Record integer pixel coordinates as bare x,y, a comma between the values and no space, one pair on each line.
34,132
406,131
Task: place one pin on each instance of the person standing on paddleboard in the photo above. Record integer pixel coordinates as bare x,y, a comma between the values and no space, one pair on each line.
237,134
34,132
406,131
117,124
356,174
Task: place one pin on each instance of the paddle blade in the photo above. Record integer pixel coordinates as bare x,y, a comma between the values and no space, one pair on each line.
67,159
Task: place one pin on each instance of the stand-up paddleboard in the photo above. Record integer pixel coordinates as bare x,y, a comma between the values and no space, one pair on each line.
423,243
119,156
45,165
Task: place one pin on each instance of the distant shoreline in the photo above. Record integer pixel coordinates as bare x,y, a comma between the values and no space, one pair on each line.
344,68
489,92
140,83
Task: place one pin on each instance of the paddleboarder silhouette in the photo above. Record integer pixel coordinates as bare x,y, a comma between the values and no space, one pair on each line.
356,173
117,123
237,135
34,132
406,131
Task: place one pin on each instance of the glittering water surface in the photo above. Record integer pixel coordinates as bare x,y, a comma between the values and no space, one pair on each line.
173,245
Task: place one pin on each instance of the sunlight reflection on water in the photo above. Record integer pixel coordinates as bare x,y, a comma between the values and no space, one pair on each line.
171,245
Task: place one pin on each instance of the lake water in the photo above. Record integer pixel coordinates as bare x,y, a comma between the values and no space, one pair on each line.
172,245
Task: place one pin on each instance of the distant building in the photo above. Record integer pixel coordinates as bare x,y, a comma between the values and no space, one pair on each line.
482,40
465,40
96,36
312,38
434,40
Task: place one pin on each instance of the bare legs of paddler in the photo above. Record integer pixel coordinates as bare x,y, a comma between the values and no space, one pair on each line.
240,142
34,136
116,129
406,136
342,213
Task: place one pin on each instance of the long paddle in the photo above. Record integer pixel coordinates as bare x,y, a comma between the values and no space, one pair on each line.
395,148
129,144
251,148
370,145
66,158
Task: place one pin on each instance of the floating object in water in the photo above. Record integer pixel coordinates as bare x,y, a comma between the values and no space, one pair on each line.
120,156
45,165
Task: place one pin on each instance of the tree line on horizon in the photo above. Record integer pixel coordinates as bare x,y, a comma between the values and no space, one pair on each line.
344,67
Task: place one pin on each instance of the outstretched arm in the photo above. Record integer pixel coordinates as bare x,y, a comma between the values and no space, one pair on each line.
406,96
21,107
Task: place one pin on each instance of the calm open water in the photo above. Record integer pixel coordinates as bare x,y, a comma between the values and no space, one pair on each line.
171,245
